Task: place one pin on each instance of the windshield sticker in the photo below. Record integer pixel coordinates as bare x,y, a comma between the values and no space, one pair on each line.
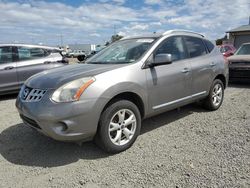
145,40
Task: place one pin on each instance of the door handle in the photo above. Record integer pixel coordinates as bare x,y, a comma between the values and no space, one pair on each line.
212,64
185,70
8,68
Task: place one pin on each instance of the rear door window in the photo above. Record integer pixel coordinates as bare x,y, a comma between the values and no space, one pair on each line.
195,46
5,54
26,53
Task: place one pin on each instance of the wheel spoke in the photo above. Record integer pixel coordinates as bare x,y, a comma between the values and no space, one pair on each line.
214,99
121,115
118,137
219,91
113,127
130,120
215,89
219,97
127,133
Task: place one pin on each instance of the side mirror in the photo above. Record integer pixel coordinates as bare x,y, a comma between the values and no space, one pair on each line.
162,59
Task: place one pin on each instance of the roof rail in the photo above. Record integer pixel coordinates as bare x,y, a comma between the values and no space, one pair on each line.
181,31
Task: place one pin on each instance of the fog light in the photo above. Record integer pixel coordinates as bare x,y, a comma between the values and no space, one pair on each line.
63,126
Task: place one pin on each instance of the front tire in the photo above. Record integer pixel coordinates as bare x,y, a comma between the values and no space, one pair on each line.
215,97
119,126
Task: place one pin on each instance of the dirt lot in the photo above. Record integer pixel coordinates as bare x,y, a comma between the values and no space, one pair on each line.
189,147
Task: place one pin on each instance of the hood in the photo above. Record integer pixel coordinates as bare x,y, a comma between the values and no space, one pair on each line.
57,77
239,58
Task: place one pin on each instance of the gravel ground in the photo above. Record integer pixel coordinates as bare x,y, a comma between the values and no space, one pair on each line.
189,147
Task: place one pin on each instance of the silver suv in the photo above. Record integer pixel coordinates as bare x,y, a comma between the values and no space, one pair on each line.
132,79
18,62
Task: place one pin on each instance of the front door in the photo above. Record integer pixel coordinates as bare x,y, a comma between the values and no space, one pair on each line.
8,74
170,85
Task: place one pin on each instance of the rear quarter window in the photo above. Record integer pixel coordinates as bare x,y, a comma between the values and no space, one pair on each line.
195,46
210,46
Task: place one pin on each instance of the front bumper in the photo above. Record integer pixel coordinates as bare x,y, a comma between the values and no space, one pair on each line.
74,121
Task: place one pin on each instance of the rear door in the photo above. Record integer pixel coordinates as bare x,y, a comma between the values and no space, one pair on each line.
31,61
8,74
202,65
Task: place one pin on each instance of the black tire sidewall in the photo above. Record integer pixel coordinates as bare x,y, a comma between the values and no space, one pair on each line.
102,137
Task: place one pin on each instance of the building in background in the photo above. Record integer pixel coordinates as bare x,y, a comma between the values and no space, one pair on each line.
239,35
83,47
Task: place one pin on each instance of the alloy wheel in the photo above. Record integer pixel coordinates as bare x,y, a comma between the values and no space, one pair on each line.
122,127
217,94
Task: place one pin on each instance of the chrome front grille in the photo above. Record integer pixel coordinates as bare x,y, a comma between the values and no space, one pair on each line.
32,95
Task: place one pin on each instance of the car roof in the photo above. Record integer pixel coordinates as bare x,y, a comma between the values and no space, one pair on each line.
169,32
30,46
247,43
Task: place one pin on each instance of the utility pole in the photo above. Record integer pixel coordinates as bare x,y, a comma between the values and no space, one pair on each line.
61,37
114,29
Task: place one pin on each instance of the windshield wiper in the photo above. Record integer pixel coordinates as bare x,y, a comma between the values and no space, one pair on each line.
106,62
95,62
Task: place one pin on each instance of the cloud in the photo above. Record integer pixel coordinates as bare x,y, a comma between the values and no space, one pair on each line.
156,23
115,1
140,27
153,2
95,35
94,21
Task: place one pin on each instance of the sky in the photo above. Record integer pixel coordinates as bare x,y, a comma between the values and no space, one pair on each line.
53,22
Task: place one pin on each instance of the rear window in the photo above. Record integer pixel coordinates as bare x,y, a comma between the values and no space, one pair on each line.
195,46
210,45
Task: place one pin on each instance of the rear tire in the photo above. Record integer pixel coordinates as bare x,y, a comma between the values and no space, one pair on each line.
215,97
119,126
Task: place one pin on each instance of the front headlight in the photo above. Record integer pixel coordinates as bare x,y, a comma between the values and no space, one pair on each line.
72,91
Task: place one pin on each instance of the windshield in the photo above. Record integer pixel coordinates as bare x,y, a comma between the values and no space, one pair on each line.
244,50
124,51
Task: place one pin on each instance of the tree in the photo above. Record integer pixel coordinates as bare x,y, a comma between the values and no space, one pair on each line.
116,38
220,41
107,43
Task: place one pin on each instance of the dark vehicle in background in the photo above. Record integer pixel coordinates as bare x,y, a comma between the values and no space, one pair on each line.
18,62
239,64
90,54
227,50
